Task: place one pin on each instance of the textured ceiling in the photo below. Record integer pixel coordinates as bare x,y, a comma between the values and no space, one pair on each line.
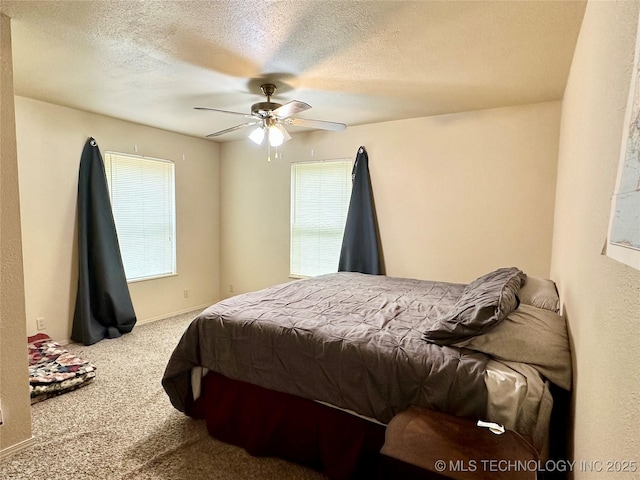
355,62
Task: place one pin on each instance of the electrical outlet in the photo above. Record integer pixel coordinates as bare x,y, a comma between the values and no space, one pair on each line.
40,323
231,288
186,293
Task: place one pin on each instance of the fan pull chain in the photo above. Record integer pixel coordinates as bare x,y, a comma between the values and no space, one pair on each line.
276,155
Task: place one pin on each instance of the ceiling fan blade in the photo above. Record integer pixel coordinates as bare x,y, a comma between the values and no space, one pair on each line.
291,108
247,115
321,124
232,129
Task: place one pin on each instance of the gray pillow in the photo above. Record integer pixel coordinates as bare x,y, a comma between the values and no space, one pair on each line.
530,335
483,303
540,293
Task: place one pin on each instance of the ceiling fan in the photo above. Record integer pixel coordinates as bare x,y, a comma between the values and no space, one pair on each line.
270,118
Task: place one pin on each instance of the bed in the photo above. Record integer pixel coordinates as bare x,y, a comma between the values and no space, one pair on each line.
355,349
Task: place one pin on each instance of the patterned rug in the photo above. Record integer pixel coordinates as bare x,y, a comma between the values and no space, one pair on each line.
53,370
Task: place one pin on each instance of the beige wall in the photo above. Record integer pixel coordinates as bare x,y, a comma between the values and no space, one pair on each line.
601,297
445,187
50,141
14,375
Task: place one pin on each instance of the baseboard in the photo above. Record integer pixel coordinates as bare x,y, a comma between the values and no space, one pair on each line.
196,308
173,314
13,449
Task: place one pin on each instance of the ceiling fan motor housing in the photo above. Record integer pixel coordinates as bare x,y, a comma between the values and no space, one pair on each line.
263,109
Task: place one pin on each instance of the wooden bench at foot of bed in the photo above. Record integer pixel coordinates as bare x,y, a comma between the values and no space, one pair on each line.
425,444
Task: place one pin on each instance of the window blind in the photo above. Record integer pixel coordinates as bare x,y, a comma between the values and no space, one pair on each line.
143,202
320,194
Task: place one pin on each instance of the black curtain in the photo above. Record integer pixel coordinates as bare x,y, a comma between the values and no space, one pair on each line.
361,244
103,304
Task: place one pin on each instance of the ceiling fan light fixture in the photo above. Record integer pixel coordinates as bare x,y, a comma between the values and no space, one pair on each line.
257,136
276,137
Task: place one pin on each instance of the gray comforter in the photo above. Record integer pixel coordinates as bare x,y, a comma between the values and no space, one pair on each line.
352,340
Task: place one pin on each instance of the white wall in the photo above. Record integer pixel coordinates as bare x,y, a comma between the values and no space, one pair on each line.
600,296
50,141
446,188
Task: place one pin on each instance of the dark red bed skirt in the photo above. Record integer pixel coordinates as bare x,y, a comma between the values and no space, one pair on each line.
269,423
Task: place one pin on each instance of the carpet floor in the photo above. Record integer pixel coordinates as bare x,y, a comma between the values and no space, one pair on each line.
122,426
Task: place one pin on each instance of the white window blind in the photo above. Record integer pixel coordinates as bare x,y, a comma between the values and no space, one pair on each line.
143,202
320,194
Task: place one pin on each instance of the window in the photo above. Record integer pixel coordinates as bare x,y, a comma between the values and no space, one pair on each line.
320,193
142,194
